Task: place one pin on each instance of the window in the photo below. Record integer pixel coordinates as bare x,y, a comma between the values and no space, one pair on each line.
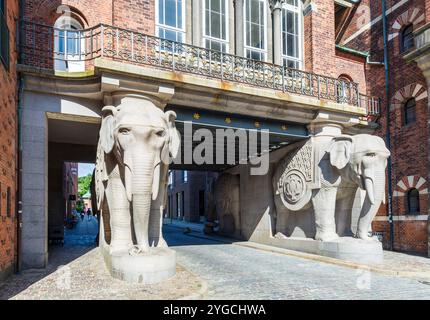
4,35
413,201
255,29
407,38
343,86
292,34
170,183
185,176
409,112
170,19
215,25
69,45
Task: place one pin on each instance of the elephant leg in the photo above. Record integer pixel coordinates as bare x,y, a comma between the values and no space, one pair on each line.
367,215
344,212
120,220
324,203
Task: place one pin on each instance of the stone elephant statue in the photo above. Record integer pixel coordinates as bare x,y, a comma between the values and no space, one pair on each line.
136,143
321,178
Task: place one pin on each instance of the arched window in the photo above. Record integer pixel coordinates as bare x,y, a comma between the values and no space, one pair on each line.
413,201
409,112
69,45
343,88
407,38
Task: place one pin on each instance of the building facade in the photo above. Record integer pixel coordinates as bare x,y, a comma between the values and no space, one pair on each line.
403,90
189,195
8,137
254,64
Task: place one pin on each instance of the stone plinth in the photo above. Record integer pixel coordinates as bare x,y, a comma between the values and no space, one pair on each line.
344,248
157,265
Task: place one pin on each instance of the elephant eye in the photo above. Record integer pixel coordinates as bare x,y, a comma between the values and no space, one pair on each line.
124,131
161,133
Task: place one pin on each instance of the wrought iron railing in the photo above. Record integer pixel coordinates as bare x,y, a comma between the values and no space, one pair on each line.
40,46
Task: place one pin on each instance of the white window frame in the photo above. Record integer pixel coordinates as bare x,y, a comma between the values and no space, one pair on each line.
246,47
300,45
159,25
227,27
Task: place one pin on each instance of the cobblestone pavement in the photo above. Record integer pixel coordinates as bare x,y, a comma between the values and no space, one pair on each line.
237,272
77,271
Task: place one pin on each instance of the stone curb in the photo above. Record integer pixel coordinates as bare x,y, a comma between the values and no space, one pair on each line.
318,258
201,293
343,263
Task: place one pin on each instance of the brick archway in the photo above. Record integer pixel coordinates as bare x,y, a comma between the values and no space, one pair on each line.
410,182
413,15
415,90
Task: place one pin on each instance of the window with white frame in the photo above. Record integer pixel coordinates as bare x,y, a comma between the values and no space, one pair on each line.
292,34
215,17
170,19
255,29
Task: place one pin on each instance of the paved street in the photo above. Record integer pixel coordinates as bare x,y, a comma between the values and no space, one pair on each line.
237,272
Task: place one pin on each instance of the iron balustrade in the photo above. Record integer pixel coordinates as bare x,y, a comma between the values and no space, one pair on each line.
40,46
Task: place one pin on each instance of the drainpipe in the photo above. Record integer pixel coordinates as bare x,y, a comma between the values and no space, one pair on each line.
18,197
388,135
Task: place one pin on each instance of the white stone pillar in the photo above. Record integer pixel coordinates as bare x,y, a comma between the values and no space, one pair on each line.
276,7
238,13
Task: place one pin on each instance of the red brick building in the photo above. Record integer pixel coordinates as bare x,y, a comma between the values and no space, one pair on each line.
8,136
407,98
337,39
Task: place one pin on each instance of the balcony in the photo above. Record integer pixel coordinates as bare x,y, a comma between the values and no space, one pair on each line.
44,47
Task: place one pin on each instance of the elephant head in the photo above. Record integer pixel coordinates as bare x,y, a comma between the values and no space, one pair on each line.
362,159
143,140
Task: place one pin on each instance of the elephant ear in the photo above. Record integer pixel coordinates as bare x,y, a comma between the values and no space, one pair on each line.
340,152
107,140
174,137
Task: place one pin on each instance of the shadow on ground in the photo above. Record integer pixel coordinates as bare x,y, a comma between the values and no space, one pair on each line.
77,242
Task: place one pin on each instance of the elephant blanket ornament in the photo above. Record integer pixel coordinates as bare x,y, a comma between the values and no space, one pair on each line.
137,141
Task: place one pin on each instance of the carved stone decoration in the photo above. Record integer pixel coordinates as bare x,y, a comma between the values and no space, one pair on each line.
293,185
137,140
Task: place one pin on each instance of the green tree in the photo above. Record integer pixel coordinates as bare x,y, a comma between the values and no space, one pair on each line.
84,184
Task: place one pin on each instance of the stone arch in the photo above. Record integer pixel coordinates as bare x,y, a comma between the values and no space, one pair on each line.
410,182
413,15
415,90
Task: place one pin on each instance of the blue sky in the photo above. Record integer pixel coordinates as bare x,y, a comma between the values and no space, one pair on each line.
85,169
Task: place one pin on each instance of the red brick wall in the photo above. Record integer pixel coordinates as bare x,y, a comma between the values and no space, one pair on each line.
353,67
409,143
8,98
320,39
137,15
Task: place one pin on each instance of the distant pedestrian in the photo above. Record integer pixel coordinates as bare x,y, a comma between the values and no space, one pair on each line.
82,215
89,213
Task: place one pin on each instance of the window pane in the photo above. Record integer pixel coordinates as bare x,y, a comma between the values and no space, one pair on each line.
161,11
215,23
170,13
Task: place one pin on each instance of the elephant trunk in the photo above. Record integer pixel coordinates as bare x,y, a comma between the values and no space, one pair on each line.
141,175
375,189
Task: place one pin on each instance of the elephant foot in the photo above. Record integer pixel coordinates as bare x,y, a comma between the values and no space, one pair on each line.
365,235
326,236
138,249
162,243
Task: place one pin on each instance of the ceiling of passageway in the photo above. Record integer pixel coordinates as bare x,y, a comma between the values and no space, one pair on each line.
73,132
82,131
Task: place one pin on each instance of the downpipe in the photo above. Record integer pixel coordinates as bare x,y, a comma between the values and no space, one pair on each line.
388,123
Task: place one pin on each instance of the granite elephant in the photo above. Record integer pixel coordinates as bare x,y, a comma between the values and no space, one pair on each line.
135,146
323,178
